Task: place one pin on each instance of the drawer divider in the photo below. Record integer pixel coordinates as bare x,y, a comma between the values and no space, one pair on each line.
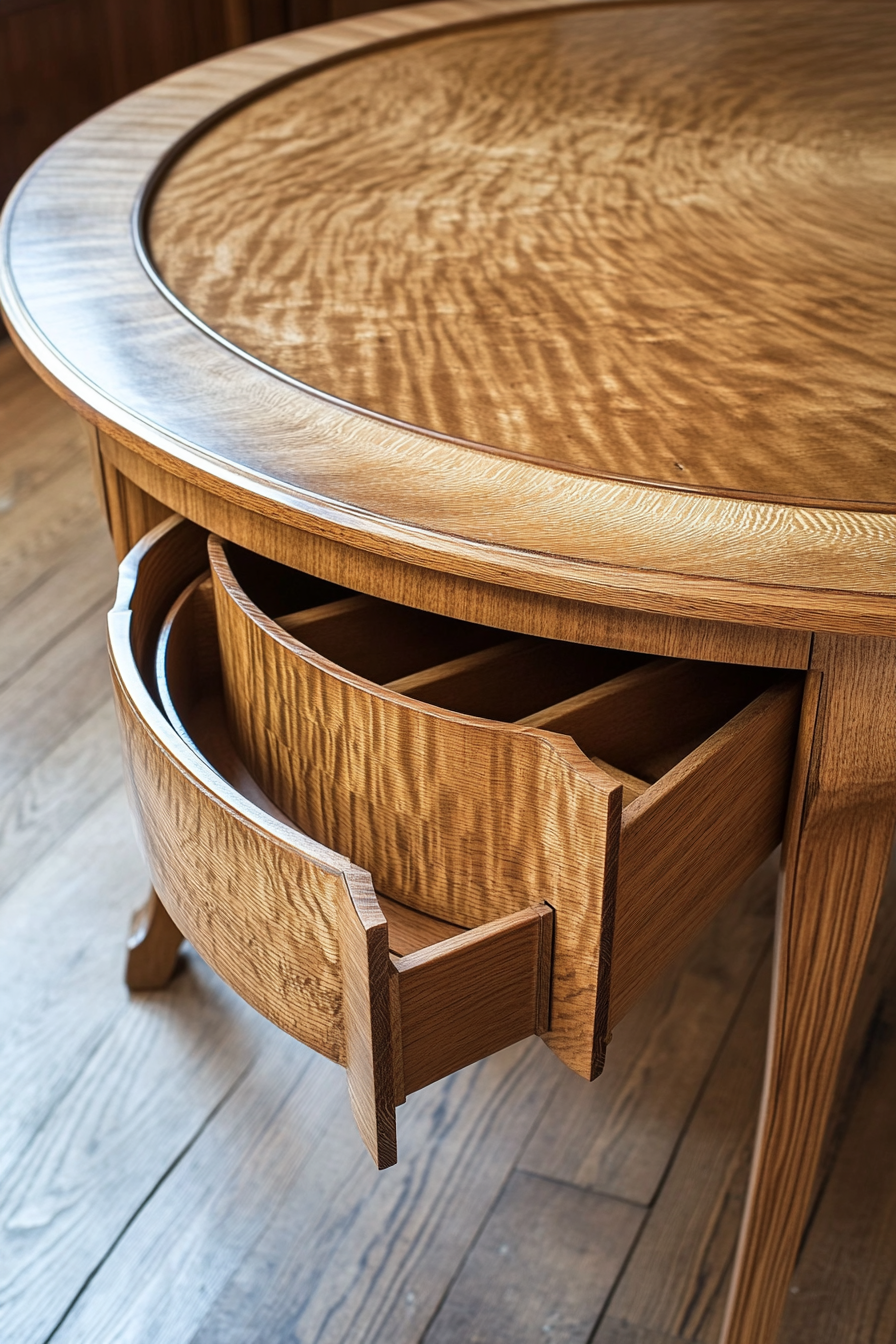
414,1019
649,718
466,997
367,1015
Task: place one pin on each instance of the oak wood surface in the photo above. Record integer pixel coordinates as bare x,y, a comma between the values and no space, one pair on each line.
701,829
838,844
295,928
648,718
365,971
575,238
227,882
437,806
381,640
473,995
461,817
810,564
153,946
532,611
234,431
507,680
199,1126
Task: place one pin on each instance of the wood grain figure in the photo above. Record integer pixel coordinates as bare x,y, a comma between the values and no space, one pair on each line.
491,323
153,946
366,254
437,806
461,816
731,502
295,928
838,845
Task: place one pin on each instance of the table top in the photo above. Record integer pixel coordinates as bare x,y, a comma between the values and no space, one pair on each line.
654,242
591,301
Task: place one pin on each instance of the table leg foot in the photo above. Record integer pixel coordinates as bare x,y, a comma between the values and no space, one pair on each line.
836,851
153,945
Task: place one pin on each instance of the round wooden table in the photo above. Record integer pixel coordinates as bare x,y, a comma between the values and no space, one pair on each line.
571,321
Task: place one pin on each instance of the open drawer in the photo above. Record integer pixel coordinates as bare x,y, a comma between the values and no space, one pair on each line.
474,773
398,997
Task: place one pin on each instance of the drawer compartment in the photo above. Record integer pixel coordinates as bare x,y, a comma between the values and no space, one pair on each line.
396,996
629,795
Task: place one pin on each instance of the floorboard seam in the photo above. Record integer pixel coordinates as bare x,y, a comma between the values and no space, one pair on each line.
98,1044
72,725
64,466
584,1189
62,837
21,594
750,981
473,1242
56,635
172,1166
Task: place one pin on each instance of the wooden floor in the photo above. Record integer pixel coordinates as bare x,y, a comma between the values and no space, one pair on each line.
174,1169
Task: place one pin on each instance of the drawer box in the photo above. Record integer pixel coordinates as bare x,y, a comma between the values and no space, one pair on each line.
473,773
398,997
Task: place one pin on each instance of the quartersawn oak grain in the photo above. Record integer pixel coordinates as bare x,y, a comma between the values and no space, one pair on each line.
375,775
837,847
586,237
205,422
295,928
465,818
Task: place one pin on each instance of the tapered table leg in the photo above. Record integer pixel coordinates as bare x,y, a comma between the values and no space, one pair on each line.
153,945
839,832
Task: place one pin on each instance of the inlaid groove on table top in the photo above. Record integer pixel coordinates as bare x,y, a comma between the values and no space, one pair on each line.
649,241
720,291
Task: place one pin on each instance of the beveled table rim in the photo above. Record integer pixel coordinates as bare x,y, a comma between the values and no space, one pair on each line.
326,467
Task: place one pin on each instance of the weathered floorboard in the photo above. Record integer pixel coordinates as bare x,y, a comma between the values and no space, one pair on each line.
844,1287
57,792
676,1279
38,434
542,1267
83,581
361,1256
123,1085
66,684
619,1136
173,1169
43,526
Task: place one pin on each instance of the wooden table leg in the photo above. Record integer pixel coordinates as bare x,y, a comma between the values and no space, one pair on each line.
130,512
153,945
837,845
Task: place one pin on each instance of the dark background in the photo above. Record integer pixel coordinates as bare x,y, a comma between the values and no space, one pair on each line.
61,60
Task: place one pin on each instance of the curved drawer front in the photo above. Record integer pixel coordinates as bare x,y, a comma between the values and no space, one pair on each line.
293,926
226,869
274,913
469,818
463,818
